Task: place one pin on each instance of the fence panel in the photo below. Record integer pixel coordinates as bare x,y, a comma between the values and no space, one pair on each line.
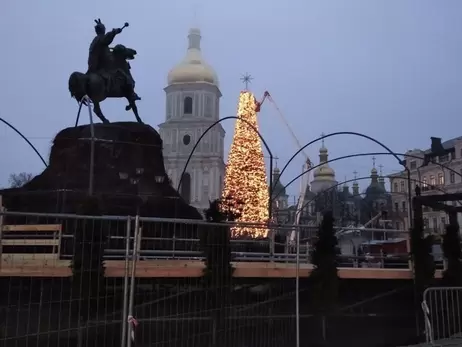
186,294
442,308
87,281
53,291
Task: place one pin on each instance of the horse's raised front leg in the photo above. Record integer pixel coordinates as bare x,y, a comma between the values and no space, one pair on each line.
134,108
99,113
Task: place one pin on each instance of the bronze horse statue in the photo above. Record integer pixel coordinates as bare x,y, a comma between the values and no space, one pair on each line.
112,81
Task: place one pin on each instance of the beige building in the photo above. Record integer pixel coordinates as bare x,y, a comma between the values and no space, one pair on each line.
427,172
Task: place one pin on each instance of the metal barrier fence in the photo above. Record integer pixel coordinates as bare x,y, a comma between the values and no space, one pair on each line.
442,307
54,291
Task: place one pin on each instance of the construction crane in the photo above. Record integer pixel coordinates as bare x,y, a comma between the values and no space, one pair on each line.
307,165
306,178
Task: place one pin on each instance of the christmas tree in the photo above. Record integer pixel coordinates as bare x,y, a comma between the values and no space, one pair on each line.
245,191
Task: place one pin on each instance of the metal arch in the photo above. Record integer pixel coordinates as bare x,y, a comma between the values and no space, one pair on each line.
209,128
401,162
329,161
25,139
363,155
341,133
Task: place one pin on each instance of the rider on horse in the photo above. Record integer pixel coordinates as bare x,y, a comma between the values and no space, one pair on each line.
100,56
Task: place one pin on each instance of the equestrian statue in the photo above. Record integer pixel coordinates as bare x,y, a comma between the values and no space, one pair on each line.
108,74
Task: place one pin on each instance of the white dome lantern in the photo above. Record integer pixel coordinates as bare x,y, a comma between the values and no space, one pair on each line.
193,68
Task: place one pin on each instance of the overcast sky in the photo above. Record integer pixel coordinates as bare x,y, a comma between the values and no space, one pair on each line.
388,68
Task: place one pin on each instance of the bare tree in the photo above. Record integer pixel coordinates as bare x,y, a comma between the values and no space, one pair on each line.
20,179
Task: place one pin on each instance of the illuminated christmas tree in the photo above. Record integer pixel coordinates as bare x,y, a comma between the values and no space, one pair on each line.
245,190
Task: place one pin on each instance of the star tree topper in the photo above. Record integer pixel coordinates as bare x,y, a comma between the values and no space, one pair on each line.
246,79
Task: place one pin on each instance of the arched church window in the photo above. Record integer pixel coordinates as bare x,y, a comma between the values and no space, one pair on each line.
208,106
188,105
186,140
185,190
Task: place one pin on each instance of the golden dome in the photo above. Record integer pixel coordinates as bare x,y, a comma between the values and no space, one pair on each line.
324,172
193,68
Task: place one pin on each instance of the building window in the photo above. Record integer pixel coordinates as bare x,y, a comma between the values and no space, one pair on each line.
413,165
435,223
395,187
402,186
403,204
443,221
443,158
425,221
208,106
424,183
398,226
185,189
440,179
453,155
432,180
396,207
452,177
186,140
188,105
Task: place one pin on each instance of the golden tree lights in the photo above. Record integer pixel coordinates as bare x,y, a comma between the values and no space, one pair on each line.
245,189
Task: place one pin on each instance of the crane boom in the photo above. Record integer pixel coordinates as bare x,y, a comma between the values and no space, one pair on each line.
305,168
281,115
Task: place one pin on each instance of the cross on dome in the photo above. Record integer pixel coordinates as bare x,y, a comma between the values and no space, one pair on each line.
276,158
322,140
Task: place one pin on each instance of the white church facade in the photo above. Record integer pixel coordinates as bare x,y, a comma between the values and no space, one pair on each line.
192,105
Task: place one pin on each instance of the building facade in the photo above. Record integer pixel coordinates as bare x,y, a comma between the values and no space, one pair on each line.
432,178
192,106
324,193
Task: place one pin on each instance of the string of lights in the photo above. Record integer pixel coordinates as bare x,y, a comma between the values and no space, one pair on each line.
245,187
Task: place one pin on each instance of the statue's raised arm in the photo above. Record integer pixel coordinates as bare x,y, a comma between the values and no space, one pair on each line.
109,37
99,54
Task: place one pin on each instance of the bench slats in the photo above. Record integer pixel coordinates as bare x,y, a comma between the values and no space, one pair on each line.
53,239
30,242
32,227
12,257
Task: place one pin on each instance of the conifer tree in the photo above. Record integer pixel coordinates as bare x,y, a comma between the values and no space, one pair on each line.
452,276
324,276
218,272
88,281
245,179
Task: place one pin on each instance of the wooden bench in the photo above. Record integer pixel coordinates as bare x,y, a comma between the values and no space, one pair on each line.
44,261
39,236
